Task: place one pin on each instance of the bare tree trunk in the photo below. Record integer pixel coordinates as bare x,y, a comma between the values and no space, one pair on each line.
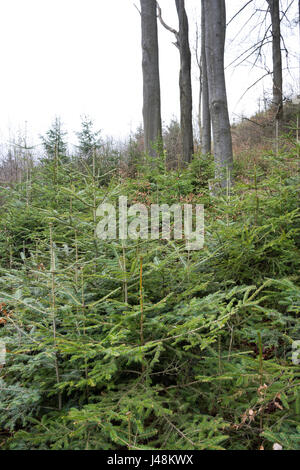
185,84
215,28
200,102
151,83
206,121
277,59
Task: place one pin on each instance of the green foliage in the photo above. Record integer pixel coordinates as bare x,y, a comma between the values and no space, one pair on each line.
208,364
54,143
89,139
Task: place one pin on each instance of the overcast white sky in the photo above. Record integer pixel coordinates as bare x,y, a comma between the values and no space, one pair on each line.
70,57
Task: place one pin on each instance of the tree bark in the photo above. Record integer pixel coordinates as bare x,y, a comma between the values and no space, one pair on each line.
151,82
185,84
277,59
200,127
215,28
206,120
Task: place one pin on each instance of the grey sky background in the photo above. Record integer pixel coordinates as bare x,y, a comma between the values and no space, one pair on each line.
74,57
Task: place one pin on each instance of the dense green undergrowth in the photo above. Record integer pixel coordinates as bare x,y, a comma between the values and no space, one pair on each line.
144,345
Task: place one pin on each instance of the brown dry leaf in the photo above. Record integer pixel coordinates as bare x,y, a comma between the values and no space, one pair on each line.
278,405
251,415
261,390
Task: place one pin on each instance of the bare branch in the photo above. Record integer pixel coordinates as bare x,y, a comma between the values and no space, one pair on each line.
261,45
137,8
255,47
176,33
253,84
284,13
240,11
244,118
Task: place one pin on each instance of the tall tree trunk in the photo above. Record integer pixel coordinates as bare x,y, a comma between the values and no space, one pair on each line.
206,121
151,83
185,84
200,127
215,28
277,60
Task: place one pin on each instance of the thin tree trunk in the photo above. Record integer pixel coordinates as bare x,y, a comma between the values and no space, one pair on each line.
277,59
151,83
185,84
206,121
215,28
200,104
